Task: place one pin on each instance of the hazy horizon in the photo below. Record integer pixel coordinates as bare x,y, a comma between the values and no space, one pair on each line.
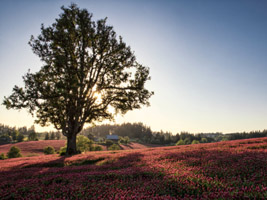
207,59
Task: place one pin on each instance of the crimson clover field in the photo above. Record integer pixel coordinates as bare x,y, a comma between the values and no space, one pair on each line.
225,170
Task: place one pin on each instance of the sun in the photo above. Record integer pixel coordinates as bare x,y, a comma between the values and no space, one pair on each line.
98,97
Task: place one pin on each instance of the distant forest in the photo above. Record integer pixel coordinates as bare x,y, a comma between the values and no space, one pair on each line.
137,132
142,133
10,134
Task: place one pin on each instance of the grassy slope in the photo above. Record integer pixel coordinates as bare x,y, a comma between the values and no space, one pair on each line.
34,148
224,170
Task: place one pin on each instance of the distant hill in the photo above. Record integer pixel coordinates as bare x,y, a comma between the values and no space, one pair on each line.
31,148
35,148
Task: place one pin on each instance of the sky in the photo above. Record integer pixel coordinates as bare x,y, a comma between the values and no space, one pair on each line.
207,59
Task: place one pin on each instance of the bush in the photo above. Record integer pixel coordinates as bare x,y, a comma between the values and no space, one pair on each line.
97,148
180,142
114,147
62,151
195,142
187,141
2,156
124,140
109,142
14,152
83,143
204,140
49,150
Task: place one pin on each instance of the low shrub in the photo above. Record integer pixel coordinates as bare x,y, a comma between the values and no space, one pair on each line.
195,142
2,156
14,152
49,150
97,148
62,151
114,147
109,142
124,140
180,142
83,144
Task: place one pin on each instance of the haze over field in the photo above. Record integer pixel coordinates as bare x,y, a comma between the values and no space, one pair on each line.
207,59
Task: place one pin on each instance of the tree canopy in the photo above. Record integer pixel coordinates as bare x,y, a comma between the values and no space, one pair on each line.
89,74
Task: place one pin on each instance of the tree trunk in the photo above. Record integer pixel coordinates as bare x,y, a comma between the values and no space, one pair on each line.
71,144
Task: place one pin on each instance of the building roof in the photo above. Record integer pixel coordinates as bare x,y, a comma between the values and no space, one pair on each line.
112,137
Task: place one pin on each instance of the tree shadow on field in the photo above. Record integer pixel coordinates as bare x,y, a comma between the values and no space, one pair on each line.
60,167
126,145
200,172
226,166
127,161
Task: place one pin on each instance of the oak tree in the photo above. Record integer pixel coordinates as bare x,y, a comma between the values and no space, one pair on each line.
88,74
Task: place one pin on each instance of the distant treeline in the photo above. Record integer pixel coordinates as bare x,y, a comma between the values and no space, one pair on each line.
10,134
135,131
142,133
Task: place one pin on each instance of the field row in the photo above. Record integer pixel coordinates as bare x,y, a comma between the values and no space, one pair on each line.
225,170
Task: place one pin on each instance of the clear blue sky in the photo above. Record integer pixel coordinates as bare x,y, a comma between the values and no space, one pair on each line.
208,59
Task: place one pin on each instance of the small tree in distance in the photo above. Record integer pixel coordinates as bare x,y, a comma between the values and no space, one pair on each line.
20,137
47,136
52,136
89,74
33,136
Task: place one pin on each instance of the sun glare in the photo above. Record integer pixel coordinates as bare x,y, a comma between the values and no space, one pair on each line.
98,95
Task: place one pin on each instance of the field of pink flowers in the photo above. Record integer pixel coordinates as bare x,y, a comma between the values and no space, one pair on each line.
224,170
35,148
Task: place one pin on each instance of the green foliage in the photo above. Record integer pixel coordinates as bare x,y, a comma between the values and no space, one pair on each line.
14,134
33,136
52,136
97,148
187,141
80,58
225,138
180,142
20,137
62,151
195,142
114,147
109,142
5,138
90,136
49,150
124,140
203,140
47,136
2,156
83,143
58,135
14,152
